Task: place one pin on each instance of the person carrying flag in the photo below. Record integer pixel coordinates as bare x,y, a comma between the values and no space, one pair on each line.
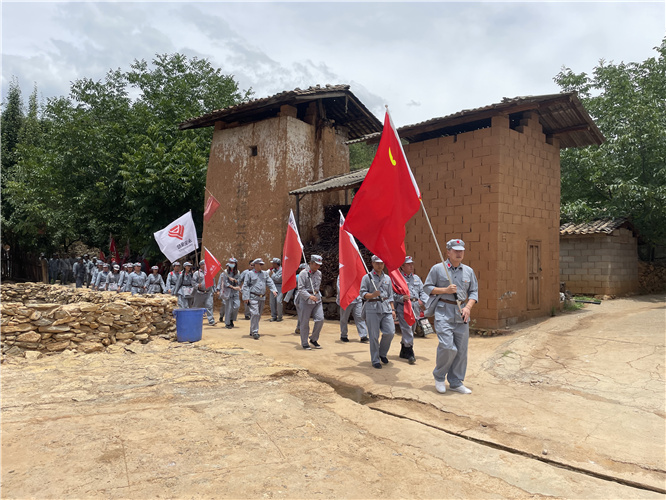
184,288
203,296
416,300
309,295
449,287
354,309
377,292
241,280
254,294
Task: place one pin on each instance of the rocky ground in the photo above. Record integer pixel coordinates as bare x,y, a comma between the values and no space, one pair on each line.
569,407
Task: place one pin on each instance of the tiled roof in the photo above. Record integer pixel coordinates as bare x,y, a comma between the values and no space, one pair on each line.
561,115
334,183
606,226
339,105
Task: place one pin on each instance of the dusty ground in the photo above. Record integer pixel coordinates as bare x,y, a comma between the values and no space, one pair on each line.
571,407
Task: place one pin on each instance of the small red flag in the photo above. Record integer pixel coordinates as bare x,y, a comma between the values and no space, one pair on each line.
101,255
211,206
386,200
213,267
291,255
112,249
351,267
401,287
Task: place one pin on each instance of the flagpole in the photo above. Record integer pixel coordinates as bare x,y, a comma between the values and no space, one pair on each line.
441,256
359,254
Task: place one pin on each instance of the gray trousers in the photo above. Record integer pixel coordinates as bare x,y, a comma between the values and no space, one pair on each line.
451,351
185,302
205,300
316,311
406,330
355,310
255,307
276,305
79,281
231,305
379,322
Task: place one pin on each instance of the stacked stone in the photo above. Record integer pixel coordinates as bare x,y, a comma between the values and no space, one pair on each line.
652,277
28,324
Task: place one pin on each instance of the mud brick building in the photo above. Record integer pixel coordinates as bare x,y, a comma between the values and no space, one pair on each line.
267,147
599,257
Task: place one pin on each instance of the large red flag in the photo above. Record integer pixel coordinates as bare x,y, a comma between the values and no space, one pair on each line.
291,255
351,267
211,205
386,200
401,287
112,249
213,267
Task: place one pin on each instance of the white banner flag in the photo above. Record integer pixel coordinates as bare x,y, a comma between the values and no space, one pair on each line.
179,238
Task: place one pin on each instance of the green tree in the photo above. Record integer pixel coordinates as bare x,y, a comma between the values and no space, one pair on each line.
625,176
361,155
11,121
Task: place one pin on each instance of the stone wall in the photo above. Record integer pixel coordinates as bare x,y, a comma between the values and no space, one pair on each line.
52,318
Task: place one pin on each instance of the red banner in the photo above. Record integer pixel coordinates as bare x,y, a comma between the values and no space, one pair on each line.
291,255
351,267
213,267
211,206
401,288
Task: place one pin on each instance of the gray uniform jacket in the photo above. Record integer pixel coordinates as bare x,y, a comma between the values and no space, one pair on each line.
122,279
415,289
100,280
276,276
155,283
112,279
383,284
79,270
172,279
464,279
255,283
199,279
305,289
136,282
225,283
184,280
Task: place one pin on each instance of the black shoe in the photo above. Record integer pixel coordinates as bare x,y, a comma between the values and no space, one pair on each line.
307,347
383,360
278,320
229,327
344,339
404,351
411,358
315,344
365,340
221,319
212,324
232,324
272,319
376,365
255,336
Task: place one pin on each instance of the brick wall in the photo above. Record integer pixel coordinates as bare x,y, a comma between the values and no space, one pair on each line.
497,189
599,264
253,190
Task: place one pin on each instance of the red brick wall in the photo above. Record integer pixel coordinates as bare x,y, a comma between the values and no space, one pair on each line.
495,188
253,190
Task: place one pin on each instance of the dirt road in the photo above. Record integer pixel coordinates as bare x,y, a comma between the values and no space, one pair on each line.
571,407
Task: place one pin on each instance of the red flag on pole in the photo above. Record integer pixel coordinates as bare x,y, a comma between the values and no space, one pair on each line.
386,200
401,287
211,206
351,267
101,255
213,267
112,249
291,255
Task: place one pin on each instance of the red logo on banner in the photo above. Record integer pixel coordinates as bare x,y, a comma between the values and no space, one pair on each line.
177,231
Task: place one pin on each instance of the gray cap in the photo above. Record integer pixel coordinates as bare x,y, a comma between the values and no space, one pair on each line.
187,264
154,268
302,266
137,264
258,261
455,245
202,262
317,259
116,267
276,260
376,259
105,265
232,261
176,263
409,260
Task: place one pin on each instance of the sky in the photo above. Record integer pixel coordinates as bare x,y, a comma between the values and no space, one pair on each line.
423,60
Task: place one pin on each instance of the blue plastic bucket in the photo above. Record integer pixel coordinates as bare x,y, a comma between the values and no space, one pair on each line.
189,324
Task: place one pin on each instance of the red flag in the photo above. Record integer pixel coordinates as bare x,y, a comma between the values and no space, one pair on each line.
351,267
112,249
101,255
291,255
401,287
386,200
213,267
211,206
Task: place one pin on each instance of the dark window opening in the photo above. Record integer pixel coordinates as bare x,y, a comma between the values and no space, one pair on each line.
253,150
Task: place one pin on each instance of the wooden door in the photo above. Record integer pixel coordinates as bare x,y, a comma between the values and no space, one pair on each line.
533,274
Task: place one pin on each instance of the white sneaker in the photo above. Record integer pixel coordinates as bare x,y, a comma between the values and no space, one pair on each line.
440,386
461,389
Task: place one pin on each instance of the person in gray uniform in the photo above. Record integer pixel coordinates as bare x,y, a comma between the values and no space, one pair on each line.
311,305
79,272
53,268
136,281
294,293
184,289
276,302
203,297
254,294
377,292
355,309
113,279
64,268
229,289
416,300
123,276
95,273
241,280
444,286
172,278
100,280
155,282
92,266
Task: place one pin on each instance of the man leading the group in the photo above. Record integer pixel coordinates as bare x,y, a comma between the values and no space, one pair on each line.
377,292
451,326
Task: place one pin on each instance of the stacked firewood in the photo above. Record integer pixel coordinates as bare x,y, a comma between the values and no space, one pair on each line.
652,277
